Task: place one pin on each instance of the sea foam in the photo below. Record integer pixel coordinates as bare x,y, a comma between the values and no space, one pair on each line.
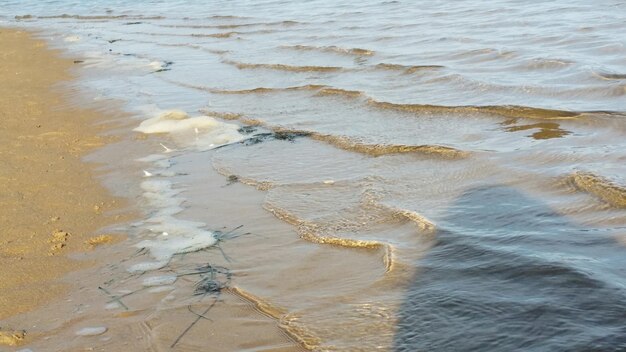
166,235
200,132
91,331
169,235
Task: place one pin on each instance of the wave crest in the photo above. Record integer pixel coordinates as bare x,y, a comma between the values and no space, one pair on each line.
407,68
283,67
600,187
332,49
288,323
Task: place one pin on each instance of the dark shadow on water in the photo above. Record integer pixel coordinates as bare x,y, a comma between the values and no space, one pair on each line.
509,274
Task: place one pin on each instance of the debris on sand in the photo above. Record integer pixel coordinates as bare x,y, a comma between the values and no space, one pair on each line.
11,337
91,331
99,240
58,240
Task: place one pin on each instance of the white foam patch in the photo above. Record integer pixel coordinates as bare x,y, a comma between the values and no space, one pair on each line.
171,236
72,39
160,289
159,280
200,132
160,196
147,266
112,306
163,248
92,331
166,235
156,65
116,61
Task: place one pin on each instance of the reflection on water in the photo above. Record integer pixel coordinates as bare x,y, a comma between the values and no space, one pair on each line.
508,273
543,130
367,133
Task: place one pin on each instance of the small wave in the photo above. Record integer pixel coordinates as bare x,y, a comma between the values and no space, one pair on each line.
235,117
419,220
228,17
24,17
225,115
93,17
321,90
332,49
215,35
261,90
265,307
610,75
546,64
351,243
309,231
231,26
260,185
193,35
207,26
416,218
283,67
501,110
604,189
289,23
349,144
342,92
486,54
515,111
286,322
407,68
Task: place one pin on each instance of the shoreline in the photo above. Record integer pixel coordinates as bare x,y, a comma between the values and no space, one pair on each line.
53,205
57,286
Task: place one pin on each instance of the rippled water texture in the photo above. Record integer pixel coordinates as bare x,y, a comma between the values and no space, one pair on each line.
433,176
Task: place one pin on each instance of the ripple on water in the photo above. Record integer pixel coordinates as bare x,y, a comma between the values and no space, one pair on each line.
378,134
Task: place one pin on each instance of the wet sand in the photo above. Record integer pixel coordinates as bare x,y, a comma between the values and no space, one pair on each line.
52,204
58,265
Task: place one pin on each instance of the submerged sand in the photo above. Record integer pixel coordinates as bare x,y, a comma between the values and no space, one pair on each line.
51,203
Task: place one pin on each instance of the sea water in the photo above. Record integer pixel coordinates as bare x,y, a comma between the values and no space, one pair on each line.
414,175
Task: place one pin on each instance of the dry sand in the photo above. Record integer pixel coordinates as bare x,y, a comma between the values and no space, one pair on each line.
51,204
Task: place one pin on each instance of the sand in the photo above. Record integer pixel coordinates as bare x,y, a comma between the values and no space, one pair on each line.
51,203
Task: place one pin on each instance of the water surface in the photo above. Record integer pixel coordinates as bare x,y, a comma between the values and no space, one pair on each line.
432,176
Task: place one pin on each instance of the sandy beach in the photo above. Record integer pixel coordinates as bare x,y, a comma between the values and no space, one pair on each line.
52,204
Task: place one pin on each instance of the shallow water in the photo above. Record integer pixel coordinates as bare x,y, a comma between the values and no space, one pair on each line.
443,176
